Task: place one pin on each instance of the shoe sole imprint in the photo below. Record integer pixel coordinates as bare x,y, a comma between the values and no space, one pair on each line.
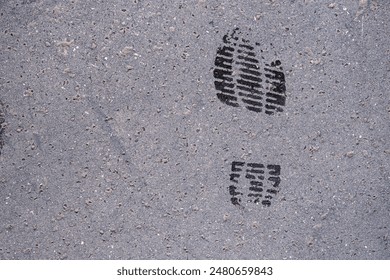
243,79
253,183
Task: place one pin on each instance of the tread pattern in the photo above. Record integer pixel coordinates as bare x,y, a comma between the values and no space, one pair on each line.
241,78
253,183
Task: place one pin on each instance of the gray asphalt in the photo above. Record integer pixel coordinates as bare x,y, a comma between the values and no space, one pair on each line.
114,144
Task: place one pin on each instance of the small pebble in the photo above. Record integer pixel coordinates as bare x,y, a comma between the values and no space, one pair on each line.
350,154
317,226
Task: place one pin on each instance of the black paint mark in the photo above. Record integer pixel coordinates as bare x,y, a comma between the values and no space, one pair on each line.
243,79
253,183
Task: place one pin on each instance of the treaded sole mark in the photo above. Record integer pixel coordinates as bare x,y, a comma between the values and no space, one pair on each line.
243,79
253,183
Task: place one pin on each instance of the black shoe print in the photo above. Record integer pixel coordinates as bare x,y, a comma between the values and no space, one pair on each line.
244,79
253,183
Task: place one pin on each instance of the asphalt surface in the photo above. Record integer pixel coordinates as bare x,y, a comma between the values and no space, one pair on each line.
115,145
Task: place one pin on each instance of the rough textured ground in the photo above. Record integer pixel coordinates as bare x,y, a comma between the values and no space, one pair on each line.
117,147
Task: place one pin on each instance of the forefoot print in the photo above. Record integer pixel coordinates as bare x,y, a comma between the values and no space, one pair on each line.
244,79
